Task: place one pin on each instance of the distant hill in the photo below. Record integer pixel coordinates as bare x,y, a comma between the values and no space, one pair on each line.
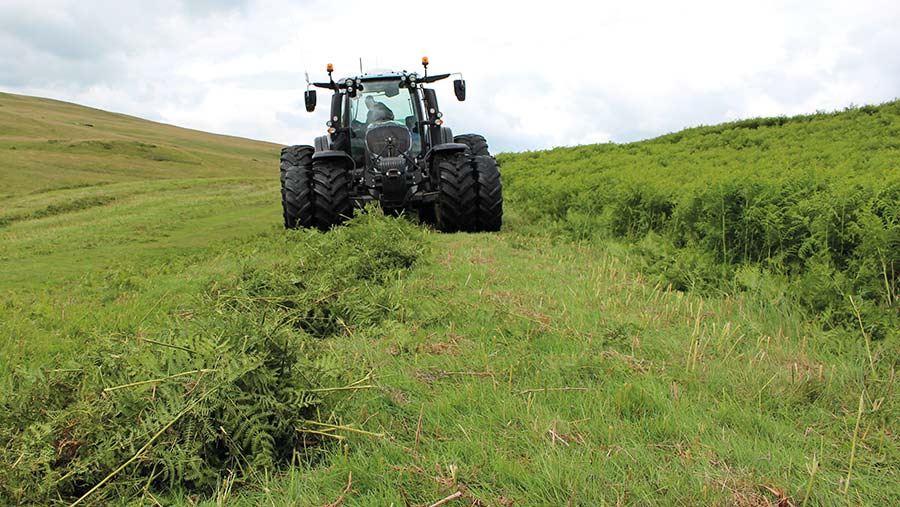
47,144
73,179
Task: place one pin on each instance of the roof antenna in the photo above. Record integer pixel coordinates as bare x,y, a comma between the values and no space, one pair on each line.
360,66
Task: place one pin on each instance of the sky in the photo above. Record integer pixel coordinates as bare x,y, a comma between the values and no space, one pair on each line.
538,74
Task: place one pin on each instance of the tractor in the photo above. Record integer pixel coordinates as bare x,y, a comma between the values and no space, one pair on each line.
386,143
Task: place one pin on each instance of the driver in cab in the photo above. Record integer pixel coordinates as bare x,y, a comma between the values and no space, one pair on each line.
377,111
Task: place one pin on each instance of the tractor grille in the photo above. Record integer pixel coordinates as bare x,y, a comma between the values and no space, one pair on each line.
385,164
381,135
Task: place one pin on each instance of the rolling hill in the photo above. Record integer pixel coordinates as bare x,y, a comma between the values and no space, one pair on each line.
603,349
50,145
79,177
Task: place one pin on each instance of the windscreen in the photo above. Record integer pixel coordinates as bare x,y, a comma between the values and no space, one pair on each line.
382,102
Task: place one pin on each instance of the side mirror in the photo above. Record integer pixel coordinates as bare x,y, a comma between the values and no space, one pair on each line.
459,88
310,97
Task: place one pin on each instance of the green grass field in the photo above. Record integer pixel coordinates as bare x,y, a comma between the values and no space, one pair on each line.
536,366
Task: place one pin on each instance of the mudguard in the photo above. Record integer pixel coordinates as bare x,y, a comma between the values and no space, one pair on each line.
442,149
334,156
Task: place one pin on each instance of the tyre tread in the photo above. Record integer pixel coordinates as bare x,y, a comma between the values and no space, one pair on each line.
296,182
457,195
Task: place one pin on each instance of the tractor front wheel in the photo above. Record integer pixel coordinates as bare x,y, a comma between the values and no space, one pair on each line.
296,191
489,190
331,194
489,213
455,209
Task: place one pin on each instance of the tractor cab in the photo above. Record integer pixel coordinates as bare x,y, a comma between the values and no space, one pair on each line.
400,98
385,110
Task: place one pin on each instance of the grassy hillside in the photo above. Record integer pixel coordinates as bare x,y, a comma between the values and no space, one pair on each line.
528,367
79,178
47,145
81,203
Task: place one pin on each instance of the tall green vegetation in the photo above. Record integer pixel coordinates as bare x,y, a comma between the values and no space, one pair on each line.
814,198
236,384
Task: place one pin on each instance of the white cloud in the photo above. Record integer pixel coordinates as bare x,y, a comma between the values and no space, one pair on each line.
539,75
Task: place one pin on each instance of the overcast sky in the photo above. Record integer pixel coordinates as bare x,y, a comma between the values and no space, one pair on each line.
539,74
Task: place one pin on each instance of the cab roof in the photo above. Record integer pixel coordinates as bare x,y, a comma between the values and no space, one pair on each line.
382,76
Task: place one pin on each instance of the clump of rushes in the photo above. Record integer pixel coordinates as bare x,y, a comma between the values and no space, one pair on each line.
237,386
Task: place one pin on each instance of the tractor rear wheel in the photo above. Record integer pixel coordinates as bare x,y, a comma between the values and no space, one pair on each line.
489,214
331,194
477,143
455,209
296,179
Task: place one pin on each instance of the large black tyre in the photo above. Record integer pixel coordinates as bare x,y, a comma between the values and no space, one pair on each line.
477,144
489,214
331,194
296,191
456,205
489,208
